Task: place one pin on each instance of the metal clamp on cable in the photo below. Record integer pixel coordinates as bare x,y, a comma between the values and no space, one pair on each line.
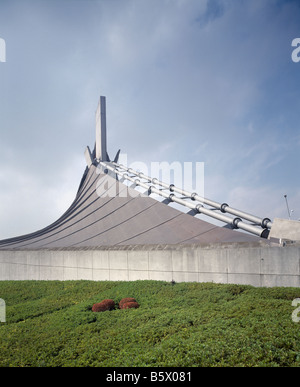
264,223
198,206
235,222
193,195
223,207
149,189
171,196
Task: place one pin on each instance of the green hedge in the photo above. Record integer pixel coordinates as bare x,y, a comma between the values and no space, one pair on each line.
51,323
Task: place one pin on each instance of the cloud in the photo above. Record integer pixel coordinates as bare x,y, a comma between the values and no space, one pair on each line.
185,80
31,201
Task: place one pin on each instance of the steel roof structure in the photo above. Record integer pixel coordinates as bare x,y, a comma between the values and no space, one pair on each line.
107,212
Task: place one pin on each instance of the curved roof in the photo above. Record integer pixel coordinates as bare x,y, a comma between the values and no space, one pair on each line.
106,212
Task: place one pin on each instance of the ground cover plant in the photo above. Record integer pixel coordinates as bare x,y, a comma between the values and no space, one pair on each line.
51,323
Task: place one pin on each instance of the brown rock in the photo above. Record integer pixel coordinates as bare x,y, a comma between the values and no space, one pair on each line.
129,305
124,300
104,305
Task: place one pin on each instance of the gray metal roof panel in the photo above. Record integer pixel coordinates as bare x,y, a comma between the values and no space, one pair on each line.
121,216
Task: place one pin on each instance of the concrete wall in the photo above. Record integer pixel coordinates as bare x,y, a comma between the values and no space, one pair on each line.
239,263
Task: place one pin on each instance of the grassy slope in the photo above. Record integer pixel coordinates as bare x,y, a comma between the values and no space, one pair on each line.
186,324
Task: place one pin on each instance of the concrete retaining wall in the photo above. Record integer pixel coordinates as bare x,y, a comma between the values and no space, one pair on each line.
241,263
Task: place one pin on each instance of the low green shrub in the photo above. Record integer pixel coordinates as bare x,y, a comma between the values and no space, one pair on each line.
51,324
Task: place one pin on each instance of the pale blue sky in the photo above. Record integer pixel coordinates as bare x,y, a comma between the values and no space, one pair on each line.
185,80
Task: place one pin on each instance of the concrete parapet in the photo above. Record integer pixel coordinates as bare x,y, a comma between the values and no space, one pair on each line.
285,229
240,263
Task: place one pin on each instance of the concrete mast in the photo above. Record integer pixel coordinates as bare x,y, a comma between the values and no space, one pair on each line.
101,148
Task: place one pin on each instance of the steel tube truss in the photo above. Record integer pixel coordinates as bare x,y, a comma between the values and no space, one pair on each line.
258,226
